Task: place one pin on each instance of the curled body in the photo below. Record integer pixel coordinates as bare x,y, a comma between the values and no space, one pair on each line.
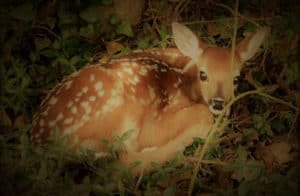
165,97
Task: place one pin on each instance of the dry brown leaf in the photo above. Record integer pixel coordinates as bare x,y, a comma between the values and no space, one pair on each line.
19,122
266,155
212,29
4,119
113,47
281,151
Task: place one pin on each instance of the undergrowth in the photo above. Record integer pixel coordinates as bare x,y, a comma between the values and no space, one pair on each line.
253,152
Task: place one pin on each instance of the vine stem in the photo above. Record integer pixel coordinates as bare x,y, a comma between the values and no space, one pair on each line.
217,126
220,117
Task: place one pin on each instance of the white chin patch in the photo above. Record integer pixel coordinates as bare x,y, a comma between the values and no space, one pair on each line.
215,112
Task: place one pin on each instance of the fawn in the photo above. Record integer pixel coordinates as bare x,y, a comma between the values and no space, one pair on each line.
165,96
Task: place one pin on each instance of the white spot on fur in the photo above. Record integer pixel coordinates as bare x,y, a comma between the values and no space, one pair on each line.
86,106
92,77
68,84
79,94
143,71
68,121
101,93
120,74
92,98
42,122
98,85
149,149
53,100
69,104
59,117
42,130
85,89
151,93
52,123
74,110
85,117
128,70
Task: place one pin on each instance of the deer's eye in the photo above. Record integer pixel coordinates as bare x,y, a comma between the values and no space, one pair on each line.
236,80
203,76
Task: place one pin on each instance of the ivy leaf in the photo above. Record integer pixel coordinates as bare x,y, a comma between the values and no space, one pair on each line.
277,125
107,2
169,191
293,73
41,43
90,14
50,53
125,28
114,19
24,12
258,121
51,22
87,31
65,15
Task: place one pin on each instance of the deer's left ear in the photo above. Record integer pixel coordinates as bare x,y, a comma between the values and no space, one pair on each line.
187,42
250,45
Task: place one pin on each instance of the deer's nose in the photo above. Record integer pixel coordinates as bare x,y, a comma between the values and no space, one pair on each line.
218,103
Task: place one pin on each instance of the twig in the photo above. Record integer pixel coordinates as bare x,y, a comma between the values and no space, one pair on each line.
46,29
228,19
233,12
214,162
221,117
218,122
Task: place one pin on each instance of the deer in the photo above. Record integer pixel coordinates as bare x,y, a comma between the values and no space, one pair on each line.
165,96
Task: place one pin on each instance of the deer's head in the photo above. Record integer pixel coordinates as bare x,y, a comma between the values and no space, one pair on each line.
216,75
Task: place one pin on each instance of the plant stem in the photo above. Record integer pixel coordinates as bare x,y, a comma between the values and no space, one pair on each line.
221,119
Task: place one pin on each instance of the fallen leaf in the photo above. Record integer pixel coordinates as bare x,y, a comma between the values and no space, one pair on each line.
19,122
113,47
266,155
5,119
212,29
281,151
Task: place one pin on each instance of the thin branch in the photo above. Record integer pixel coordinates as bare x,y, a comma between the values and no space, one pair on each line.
221,119
214,162
46,29
229,19
233,12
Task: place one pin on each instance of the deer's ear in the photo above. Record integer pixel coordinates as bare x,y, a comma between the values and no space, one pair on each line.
250,45
186,41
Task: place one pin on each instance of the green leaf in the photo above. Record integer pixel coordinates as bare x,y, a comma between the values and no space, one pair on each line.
74,60
90,14
293,73
65,14
258,121
121,188
41,43
25,81
51,22
87,31
50,53
143,43
68,31
43,171
170,191
125,28
107,2
25,12
278,125
242,153
114,19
